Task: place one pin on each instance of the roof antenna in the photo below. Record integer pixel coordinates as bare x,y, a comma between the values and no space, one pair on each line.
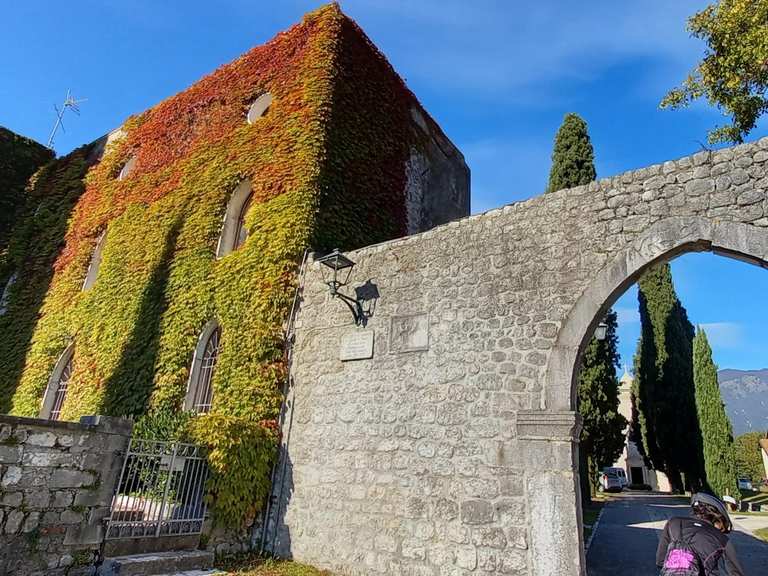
69,103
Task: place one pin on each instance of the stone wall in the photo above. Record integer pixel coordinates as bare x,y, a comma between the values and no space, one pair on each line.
449,448
56,486
437,178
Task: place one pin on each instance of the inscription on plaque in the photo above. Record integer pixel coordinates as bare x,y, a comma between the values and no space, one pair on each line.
409,333
357,345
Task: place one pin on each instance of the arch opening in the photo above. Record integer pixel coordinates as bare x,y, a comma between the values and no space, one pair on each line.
665,242
95,263
58,384
127,168
5,297
259,107
233,230
199,397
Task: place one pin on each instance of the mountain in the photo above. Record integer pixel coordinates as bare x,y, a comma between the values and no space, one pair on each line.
745,393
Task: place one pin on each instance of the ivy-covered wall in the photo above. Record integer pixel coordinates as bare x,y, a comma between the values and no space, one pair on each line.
19,158
327,165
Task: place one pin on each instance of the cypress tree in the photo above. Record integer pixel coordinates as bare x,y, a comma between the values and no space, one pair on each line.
573,159
602,434
716,431
663,387
573,165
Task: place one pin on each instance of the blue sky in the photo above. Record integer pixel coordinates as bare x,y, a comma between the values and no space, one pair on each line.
497,75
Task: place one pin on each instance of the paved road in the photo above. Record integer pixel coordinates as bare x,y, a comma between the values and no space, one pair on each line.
629,530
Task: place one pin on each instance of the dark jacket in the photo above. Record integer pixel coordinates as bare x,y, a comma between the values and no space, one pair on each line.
706,540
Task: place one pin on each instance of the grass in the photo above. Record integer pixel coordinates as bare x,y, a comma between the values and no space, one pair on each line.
252,565
590,514
762,533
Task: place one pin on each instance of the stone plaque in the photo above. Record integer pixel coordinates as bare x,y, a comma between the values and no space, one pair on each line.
409,333
357,345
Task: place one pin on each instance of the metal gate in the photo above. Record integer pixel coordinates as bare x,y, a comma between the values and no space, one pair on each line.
160,492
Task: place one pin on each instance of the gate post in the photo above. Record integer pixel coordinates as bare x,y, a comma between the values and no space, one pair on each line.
549,443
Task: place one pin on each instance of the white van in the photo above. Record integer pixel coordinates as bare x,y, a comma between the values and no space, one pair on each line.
620,472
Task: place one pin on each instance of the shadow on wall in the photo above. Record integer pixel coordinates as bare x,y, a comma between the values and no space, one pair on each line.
33,249
278,540
129,387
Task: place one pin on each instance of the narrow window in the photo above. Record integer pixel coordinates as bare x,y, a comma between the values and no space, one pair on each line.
127,168
200,389
259,107
6,296
234,231
242,231
93,267
56,392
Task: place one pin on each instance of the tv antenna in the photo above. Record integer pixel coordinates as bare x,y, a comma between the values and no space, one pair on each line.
70,103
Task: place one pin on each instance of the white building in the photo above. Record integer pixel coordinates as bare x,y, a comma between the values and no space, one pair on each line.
631,460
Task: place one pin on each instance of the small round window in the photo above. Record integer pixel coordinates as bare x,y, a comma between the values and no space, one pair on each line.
259,107
127,168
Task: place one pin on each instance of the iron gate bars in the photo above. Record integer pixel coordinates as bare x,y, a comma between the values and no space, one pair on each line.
161,491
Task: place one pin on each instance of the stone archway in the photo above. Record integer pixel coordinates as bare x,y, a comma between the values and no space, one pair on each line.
663,241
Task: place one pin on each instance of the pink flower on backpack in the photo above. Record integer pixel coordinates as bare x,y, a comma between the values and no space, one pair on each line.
679,560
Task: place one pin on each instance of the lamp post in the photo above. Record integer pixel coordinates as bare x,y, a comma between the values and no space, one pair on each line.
601,331
336,269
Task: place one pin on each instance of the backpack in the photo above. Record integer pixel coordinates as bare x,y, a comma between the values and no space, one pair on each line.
681,558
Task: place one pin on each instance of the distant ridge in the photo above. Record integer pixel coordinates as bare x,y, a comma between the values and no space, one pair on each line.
745,393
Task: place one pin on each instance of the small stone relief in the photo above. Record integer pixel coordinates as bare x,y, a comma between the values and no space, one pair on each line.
409,333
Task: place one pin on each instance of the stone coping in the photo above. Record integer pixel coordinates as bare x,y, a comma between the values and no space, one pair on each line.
97,423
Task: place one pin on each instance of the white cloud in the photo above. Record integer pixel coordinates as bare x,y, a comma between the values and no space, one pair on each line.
486,46
627,315
724,334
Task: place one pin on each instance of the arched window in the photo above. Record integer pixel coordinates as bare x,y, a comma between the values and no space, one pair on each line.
93,267
242,231
127,168
234,232
6,296
200,387
259,107
56,392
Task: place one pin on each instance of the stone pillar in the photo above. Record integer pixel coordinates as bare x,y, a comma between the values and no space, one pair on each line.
56,485
549,443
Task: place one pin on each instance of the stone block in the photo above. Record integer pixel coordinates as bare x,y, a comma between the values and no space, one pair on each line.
12,499
11,477
46,439
37,499
31,522
62,499
10,454
466,557
513,561
90,498
489,537
71,517
63,478
476,512
13,521
47,458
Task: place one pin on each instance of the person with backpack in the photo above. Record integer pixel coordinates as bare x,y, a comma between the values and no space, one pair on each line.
695,545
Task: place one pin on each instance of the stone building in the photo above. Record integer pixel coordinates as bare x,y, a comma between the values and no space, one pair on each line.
151,273
631,460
